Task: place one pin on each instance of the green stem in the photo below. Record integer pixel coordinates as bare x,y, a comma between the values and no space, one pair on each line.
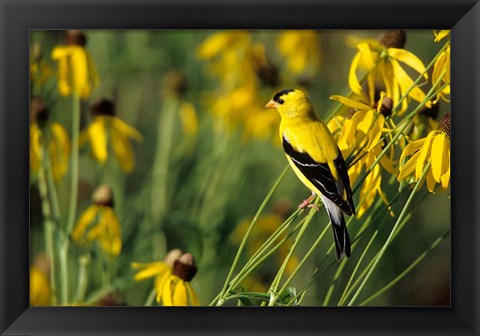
305,258
150,298
390,237
74,163
48,230
72,210
247,235
83,262
278,277
417,261
261,258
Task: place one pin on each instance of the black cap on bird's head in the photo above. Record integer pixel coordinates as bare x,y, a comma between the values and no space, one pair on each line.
277,98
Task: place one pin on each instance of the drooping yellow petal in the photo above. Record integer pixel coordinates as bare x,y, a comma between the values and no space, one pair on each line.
375,133
409,59
83,223
424,155
438,155
192,296
366,53
440,35
365,123
412,147
409,167
445,178
125,129
406,83
430,181
148,270
352,76
123,151
167,291
111,237
180,297
97,134
79,68
350,102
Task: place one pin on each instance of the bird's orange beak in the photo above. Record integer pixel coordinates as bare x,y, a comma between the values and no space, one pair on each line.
271,105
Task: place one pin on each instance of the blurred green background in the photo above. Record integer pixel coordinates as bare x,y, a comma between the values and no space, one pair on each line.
193,191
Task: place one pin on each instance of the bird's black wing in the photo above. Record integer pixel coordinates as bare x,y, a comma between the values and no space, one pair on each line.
321,177
342,170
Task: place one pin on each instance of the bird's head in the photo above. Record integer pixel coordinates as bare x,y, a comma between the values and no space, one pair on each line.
291,103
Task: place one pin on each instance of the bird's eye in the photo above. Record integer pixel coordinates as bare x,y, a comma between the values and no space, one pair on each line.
280,101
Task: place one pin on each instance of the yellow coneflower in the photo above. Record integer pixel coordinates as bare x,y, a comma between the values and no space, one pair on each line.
360,132
240,64
363,128
442,66
229,55
433,149
76,70
100,224
172,278
55,135
382,62
107,130
301,50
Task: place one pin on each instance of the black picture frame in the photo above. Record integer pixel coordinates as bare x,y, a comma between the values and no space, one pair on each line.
17,17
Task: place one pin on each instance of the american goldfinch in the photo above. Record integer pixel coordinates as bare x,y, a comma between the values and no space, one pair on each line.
315,158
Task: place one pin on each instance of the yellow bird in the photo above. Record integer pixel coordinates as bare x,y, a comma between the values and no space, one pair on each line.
314,156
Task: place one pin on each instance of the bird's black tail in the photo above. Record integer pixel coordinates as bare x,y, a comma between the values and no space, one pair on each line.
340,233
342,240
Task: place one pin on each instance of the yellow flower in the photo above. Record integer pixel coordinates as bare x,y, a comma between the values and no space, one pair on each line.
433,149
361,132
301,50
442,67
363,129
229,53
39,288
58,142
382,64
105,130
240,64
100,223
172,278
76,70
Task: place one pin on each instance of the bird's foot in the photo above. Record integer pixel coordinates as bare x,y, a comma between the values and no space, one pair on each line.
307,203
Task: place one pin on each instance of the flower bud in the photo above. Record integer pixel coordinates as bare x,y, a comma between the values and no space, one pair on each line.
103,195
387,105
174,83
103,107
172,256
184,267
393,39
444,125
38,109
75,37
